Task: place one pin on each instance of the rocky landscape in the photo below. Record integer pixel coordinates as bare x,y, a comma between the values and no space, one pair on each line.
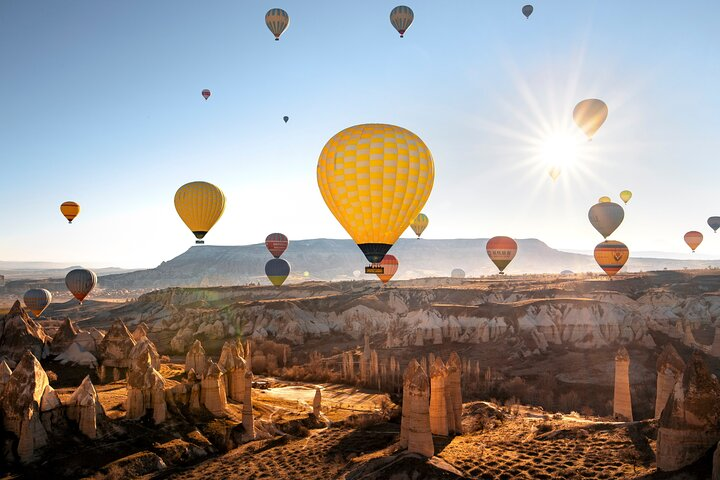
444,377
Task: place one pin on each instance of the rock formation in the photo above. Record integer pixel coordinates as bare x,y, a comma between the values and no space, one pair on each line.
21,406
145,385
5,374
195,359
114,352
622,403
232,363
21,333
212,391
140,331
669,368
716,461
141,348
715,347
690,422
248,421
405,419
84,408
64,337
419,438
454,386
365,362
317,402
438,398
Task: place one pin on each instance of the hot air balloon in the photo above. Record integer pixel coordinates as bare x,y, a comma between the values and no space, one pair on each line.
286,118
37,300
457,273
200,205
70,210
527,10
357,273
80,282
206,94
390,267
277,270
276,244
401,18
611,256
589,115
625,196
714,223
501,251
693,239
277,20
375,179
419,224
606,217
554,172
604,200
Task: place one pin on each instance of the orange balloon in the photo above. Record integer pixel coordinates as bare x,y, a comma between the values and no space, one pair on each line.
611,255
501,251
693,239
390,265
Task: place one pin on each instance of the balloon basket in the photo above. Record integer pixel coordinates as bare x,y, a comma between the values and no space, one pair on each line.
375,268
199,242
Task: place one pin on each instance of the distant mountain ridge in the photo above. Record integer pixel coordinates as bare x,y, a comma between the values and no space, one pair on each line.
332,259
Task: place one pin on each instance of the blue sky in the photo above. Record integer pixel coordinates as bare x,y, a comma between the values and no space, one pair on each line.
101,104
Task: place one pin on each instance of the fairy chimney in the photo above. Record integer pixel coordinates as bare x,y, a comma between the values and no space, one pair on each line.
196,359
438,398
622,403
454,386
669,368
418,419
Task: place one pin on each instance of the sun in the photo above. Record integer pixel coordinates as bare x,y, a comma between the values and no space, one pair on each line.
558,151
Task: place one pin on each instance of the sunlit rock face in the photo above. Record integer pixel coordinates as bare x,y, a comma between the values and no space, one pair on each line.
19,332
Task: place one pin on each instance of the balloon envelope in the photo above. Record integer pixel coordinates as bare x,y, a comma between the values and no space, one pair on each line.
80,282
420,224
70,210
693,239
457,273
589,115
604,200
554,172
625,196
611,256
390,265
606,217
714,223
527,10
277,270
401,18
276,244
501,251
200,205
277,20
206,94
286,118
37,300
375,179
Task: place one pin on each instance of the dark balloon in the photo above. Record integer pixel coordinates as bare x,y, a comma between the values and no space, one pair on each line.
276,244
80,282
277,270
527,10
286,118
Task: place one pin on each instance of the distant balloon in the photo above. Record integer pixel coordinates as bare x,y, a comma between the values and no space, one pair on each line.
286,118
276,244
200,205
527,10
401,18
420,224
604,200
693,239
554,172
390,265
611,256
277,20
70,210
357,273
714,223
277,270
606,217
375,204
589,115
306,274
457,273
206,94
37,300
566,272
80,282
501,251
625,196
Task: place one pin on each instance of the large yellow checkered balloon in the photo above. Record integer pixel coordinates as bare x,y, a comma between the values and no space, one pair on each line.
375,179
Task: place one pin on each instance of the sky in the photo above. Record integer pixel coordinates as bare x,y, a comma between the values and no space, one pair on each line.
102,105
